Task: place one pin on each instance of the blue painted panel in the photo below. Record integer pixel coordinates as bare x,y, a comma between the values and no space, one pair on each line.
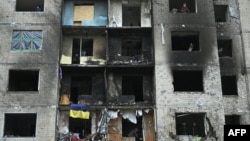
100,13
68,12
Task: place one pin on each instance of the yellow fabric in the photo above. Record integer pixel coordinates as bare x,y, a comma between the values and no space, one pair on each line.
79,114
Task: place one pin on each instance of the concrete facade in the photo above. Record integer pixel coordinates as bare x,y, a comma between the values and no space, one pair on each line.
136,73
42,102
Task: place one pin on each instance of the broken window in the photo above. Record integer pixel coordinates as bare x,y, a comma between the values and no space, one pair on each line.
130,129
87,47
20,125
229,85
29,5
185,41
83,12
131,15
23,80
81,47
190,124
185,80
26,40
133,85
131,47
225,48
176,6
232,119
221,13
82,127
80,85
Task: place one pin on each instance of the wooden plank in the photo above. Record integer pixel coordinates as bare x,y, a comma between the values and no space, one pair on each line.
114,137
114,129
83,12
148,124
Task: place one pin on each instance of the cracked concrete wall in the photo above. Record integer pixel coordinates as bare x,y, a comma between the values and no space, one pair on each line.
232,29
245,35
44,101
169,102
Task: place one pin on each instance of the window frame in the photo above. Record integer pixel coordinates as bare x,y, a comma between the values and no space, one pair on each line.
22,41
36,9
34,71
31,115
172,6
225,12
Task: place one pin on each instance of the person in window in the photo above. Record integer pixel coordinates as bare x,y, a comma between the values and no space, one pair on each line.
184,8
183,129
38,8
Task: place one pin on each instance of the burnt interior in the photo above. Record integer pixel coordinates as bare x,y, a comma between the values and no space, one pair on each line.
76,51
83,84
177,4
131,47
23,80
190,124
229,85
128,127
133,85
20,125
225,47
81,47
220,13
29,5
185,41
80,126
87,47
80,85
131,15
188,80
232,119
128,45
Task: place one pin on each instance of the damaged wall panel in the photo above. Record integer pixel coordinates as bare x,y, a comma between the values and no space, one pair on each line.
114,130
96,57
116,12
116,92
97,13
75,88
136,43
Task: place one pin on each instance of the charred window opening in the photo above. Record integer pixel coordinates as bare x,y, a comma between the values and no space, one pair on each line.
83,12
131,47
225,48
87,47
131,15
29,5
229,85
82,127
232,119
20,125
175,5
185,41
133,85
190,124
80,85
188,80
81,47
130,129
221,13
76,51
23,80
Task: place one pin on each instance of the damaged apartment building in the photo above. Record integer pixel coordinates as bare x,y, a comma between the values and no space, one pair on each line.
103,69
